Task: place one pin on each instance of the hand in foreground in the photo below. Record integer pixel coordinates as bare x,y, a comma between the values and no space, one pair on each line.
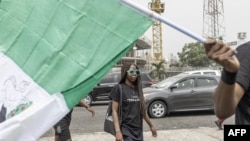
118,136
154,132
91,110
222,54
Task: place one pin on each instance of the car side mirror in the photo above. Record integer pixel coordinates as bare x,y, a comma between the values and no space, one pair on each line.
172,87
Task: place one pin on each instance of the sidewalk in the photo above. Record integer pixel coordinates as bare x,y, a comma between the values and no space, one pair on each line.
198,134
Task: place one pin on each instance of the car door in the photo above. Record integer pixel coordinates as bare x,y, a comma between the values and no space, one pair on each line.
182,96
102,90
204,88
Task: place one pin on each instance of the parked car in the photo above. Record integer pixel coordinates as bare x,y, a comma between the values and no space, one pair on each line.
203,72
102,90
180,93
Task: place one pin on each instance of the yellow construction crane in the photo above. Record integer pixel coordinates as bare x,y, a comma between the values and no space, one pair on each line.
157,6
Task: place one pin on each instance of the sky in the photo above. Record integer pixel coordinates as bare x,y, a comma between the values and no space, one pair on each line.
189,14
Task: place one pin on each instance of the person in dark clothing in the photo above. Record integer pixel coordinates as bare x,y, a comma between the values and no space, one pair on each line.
62,132
233,91
3,114
133,107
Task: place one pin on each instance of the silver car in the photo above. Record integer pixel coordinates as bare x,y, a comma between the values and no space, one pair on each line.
181,93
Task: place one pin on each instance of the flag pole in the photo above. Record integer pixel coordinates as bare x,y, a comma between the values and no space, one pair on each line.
157,17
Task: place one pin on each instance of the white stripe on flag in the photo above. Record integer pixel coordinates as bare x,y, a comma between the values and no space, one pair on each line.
25,108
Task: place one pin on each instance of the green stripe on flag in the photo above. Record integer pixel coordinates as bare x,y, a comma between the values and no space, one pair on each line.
58,47
63,43
83,88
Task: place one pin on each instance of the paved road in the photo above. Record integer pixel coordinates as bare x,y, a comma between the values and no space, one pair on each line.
198,134
83,122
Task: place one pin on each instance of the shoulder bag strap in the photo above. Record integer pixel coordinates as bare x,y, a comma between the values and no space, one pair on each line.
120,103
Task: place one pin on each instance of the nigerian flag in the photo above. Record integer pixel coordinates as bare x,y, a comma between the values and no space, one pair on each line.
52,53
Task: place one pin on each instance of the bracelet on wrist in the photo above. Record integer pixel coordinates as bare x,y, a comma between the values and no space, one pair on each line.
228,77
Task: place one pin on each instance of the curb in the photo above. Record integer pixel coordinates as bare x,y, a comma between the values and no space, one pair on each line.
198,134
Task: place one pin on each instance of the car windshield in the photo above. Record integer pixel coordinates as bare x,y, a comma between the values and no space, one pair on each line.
167,82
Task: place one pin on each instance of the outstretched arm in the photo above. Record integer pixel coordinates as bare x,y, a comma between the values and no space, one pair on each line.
228,92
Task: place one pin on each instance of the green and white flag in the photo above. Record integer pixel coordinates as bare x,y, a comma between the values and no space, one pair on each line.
52,53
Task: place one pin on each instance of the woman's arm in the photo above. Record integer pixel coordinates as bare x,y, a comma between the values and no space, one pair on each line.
115,106
153,130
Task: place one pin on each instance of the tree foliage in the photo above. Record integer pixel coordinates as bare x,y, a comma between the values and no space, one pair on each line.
193,55
158,70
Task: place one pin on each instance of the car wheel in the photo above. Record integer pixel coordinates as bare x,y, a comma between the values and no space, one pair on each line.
157,109
88,100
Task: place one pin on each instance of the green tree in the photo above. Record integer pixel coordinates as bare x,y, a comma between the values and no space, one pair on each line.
158,70
193,55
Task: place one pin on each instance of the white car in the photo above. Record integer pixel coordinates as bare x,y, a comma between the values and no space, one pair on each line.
203,72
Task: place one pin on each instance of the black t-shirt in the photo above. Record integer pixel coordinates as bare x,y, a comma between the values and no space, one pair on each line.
3,114
131,118
242,114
